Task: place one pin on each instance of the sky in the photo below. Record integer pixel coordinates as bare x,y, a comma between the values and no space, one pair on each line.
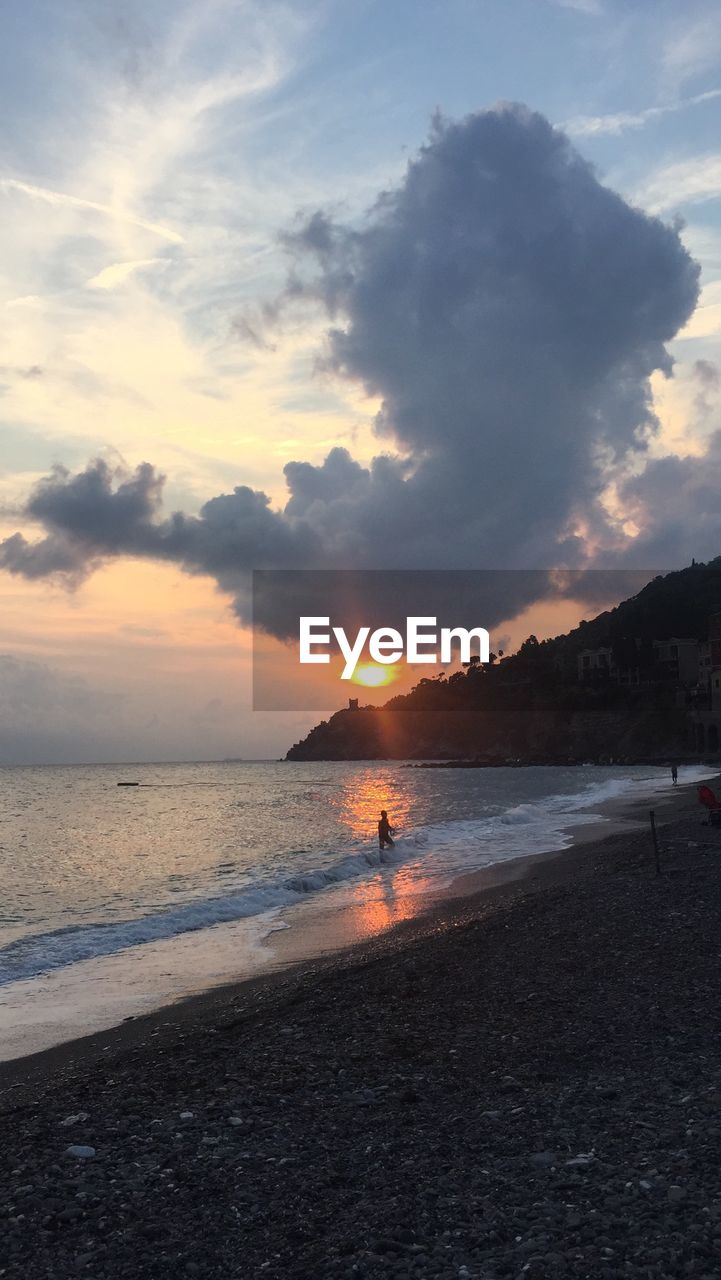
334,285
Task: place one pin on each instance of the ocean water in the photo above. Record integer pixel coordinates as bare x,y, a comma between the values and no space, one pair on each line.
91,871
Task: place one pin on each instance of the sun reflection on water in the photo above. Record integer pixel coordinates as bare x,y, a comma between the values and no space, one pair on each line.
362,802
396,892
394,895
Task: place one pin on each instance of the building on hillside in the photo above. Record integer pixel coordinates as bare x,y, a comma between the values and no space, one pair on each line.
705,718
595,666
677,660
714,639
704,666
634,663
705,731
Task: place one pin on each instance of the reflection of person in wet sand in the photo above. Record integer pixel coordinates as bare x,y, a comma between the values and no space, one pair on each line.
385,831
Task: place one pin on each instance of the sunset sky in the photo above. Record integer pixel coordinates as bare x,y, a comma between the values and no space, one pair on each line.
197,274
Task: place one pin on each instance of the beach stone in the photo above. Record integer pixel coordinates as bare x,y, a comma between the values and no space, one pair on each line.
70,1213
364,1097
509,1084
79,1118
80,1152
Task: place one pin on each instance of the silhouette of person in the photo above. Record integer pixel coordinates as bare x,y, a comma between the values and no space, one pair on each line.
385,831
674,774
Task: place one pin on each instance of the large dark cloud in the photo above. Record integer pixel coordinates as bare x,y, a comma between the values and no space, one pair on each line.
100,513
508,310
676,502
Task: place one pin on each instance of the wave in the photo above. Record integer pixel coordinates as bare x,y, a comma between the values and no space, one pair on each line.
535,826
442,851
41,953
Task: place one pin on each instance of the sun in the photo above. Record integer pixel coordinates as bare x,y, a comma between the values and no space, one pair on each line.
372,676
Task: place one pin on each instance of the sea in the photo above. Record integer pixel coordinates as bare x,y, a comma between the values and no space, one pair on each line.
119,899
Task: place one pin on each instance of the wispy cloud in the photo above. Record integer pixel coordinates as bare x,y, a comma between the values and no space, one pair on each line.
618,122
118,272
61,198
593,7
171,164
683,182
691,48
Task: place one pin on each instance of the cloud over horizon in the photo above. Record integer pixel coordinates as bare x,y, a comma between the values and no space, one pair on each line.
507,310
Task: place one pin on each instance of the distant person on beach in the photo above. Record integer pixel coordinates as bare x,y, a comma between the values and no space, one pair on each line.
674,774
385,831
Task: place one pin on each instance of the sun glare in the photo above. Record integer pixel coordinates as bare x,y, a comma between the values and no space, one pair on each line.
373,676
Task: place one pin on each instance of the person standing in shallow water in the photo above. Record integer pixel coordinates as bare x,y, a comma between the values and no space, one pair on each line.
385,831
674,774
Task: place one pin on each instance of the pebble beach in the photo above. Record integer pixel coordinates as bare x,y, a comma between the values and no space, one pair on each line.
525,1083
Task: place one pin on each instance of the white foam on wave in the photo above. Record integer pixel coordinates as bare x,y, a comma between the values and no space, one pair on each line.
441,851
40,953
538,826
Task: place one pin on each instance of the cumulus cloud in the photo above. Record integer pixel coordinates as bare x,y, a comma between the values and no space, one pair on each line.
506,308
708,381
89,516
676,503
509,310
101,512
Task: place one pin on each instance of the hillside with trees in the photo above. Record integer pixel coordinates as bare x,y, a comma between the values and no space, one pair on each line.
532,707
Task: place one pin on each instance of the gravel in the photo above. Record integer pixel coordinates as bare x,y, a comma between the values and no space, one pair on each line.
532,1089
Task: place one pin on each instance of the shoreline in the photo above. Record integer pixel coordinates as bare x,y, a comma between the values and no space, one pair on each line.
96,996
524,1082
322,945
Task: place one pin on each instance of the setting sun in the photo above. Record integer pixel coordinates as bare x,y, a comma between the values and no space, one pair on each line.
372,676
